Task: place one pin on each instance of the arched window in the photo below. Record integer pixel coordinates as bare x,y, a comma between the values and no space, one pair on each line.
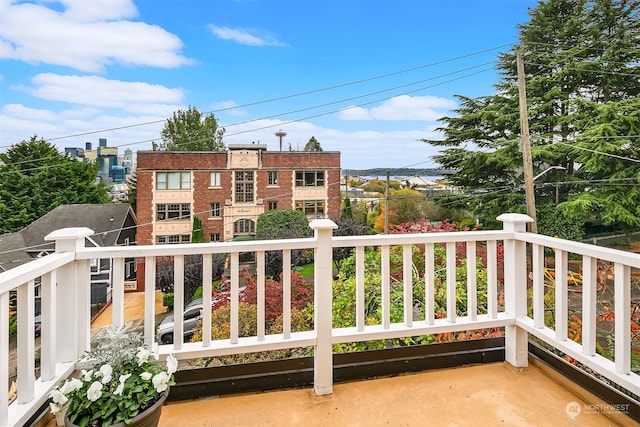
244,227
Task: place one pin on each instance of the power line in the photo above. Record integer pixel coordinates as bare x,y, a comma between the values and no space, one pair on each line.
299,94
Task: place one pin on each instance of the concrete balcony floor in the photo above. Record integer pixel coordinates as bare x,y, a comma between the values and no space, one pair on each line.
495,394
482,395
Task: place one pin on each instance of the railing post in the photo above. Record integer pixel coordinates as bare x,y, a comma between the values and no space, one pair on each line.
323,278
73,296
515,288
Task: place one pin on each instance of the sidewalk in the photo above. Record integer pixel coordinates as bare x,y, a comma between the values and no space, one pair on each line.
133,311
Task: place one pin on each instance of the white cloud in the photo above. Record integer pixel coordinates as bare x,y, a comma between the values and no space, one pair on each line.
87,36
100,92
86,11
354,113
229,108
359,149
249,37
404,107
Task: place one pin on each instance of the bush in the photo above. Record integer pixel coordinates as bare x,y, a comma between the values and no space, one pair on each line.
167,300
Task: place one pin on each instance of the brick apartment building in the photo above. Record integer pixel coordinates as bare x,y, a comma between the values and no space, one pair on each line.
228,190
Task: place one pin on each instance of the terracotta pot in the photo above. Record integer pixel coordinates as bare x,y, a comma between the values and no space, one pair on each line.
148,418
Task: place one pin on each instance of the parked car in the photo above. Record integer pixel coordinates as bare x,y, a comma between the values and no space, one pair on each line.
38,325
192,315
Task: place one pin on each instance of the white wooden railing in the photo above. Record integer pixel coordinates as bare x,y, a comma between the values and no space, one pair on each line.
65,301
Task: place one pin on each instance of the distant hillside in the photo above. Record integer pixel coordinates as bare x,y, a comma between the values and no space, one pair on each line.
381,172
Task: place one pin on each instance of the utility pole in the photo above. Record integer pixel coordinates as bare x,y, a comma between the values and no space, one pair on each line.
529,194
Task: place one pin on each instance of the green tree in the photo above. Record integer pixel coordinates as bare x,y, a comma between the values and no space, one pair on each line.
581,72
35,178
346,211
312,145
190,130
197,236
408,205
283,224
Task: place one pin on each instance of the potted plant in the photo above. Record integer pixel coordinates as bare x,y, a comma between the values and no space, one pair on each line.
119,383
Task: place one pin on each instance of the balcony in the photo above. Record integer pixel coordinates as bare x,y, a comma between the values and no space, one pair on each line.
510,380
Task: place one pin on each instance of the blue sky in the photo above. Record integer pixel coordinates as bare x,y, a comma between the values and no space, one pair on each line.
367,78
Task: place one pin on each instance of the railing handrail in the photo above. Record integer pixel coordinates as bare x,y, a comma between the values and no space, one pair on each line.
71,271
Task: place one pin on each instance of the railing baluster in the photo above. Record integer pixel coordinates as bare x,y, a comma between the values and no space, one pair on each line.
233,303
260,294
492,279
562,295
47,326
178,301
537,269
4,361
117,278
386,288
472,282
429,279
589,292
622,296
451,281
207,273
149,312
286,293
25,341
407,286
360,314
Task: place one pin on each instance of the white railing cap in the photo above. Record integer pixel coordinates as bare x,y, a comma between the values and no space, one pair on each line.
71,233
318,224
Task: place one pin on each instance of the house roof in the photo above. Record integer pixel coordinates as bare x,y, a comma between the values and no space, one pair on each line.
12,252
106,220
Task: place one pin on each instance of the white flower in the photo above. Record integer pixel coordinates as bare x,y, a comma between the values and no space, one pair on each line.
95,391
145,376
123,378
71,385
143,356
160,381
55,409
156,350
106,371
58,397
172,364
86,375
118,391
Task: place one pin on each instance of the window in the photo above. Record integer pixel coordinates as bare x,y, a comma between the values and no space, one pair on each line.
244,186
215,211
173,211
272,178
214,237
244,226
173,180
311,208
214,179
309,178
173,239
271,205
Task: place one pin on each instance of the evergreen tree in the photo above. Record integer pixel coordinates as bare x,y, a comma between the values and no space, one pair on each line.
312,145
581,77
197,235
35,178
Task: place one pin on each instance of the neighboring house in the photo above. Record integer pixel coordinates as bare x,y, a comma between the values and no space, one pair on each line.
228,190
113,225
